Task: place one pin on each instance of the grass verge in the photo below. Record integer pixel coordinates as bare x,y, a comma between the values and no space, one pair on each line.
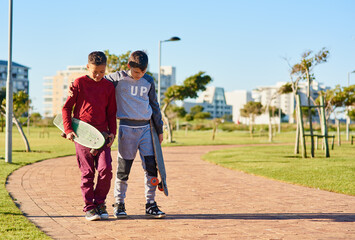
13,225
335,174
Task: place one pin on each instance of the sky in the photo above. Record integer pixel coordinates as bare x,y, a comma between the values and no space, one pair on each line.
240,44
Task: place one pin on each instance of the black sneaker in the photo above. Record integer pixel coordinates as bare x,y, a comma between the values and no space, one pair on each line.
101,210
119,210
151,209
92,215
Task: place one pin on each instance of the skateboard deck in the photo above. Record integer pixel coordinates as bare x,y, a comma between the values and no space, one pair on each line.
159,160
88,136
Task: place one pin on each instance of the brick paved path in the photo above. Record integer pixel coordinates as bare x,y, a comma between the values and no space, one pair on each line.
205,202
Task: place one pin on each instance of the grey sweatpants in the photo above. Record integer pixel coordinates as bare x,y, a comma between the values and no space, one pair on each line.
131,139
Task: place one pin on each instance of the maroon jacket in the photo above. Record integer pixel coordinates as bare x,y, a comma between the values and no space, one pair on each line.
94,103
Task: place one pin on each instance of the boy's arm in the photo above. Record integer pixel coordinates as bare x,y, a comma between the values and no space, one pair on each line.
111,113
113,77
67,111
153,101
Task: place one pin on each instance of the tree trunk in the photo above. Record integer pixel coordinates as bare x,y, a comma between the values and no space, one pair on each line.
297,141
213,133
279,123
167,121
251,127
270,126
2,122
215,126
338,131
310,112
19,128
24,138
28,125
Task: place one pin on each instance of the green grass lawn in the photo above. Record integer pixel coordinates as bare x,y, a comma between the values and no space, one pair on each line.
183,138
334,174
13,225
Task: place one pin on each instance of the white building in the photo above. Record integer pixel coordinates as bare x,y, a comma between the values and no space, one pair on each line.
212,100
237,99
286,102
55,88
167,79
19,76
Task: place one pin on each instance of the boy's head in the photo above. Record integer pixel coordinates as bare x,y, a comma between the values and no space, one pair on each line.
96,65
138,63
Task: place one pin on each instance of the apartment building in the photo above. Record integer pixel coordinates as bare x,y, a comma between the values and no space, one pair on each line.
212,100
56,88
167,79
19,76
237,99
286,102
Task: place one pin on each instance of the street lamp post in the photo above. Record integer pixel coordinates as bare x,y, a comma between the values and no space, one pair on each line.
347,111
169,40
9,97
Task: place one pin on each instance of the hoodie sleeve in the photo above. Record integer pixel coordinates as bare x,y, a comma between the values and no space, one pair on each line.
68,108
114,77
153,101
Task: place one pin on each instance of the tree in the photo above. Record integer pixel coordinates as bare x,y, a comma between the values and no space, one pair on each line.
35,117
20,105
197,112
251,110
351,114
174,112
269,110
180,111
335,99
303,71
189,89
196,109
202,115
216,122
117,63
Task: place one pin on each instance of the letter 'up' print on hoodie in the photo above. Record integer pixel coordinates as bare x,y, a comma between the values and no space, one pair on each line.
136,99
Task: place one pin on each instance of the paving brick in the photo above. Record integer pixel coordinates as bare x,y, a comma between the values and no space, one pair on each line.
205,201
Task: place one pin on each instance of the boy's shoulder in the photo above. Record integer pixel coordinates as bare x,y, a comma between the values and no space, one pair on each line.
107,83
149,78
116,76
122,74
80,80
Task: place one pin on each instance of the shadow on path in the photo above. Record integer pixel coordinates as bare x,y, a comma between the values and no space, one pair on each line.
337,217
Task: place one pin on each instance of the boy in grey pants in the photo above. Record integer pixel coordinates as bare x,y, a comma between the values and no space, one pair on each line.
136,105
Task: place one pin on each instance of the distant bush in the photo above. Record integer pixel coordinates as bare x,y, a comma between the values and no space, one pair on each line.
230,127
202,115
189,117
200,127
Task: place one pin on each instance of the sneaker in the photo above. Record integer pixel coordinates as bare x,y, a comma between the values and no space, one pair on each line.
119,210
101,210
151,209
91,215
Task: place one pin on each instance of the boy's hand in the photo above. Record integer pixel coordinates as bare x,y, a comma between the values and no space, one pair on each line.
71,89
161,138
112,138
71,136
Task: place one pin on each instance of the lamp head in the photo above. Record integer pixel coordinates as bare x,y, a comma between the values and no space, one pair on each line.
174,39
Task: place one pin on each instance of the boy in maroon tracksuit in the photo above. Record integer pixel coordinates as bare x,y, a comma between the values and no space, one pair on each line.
94,102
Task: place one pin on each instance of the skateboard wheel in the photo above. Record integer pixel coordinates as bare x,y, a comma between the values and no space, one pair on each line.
160,186
154,181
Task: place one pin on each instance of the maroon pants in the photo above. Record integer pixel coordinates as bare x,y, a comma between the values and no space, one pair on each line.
94,196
